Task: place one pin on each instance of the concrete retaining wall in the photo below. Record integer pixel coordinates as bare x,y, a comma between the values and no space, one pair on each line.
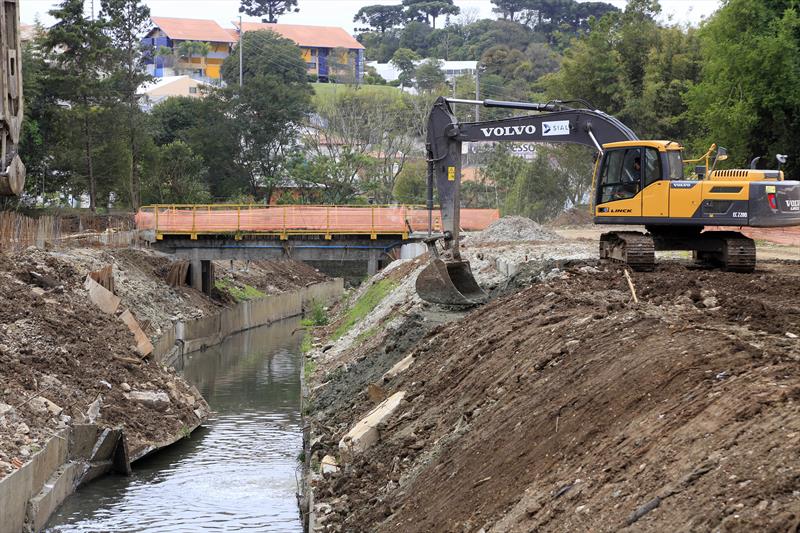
187,337
73,456
78,454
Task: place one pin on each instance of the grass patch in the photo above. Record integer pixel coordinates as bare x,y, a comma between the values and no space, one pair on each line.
364,306
330,89
368,334
240,294
318,316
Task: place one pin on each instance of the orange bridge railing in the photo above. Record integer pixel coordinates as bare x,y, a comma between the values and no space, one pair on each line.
287,220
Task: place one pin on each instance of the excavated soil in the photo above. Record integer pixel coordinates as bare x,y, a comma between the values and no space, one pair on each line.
58,350
55,345
568,407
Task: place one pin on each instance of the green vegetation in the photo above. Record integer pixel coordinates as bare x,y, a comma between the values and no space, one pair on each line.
240,294
305,344
318,315
330,89
731,79
364,305
367,334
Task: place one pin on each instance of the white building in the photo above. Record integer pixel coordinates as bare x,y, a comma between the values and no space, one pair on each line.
160,88
451,69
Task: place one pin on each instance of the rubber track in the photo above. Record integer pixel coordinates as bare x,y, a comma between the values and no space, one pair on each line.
639,250
740,254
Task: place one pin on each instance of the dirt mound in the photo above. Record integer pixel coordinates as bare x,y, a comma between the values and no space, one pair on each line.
513,229
59,353
566,407
575,216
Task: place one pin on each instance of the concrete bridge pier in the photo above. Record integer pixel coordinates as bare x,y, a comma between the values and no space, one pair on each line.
201,272
373,262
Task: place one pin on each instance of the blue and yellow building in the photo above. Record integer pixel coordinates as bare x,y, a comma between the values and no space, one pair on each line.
329,52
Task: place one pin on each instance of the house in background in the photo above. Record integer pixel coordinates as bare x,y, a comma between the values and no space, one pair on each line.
330,53
151,93
451,69
167,36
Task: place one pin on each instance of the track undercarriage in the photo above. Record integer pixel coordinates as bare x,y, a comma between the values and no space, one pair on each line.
728,250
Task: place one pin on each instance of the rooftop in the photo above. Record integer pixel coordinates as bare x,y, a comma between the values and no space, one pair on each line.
158,83
193,30
314,36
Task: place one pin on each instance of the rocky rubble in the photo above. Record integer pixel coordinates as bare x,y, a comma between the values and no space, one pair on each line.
512,229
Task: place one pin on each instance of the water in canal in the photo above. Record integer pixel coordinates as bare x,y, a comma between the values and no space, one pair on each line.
236,473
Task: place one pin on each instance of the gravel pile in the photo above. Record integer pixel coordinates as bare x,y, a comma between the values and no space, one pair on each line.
513,229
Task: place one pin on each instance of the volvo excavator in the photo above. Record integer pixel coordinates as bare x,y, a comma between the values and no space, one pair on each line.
12,171
635,182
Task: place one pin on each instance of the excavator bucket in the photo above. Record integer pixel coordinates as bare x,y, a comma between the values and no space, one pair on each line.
449,283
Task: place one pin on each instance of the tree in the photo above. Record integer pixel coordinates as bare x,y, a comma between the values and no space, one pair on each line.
362,139
411,185
380,17
127,22
429,75
265,54
178,175
77,49
270,106
206,126
510,9
429,10
404,60
269,9
748,98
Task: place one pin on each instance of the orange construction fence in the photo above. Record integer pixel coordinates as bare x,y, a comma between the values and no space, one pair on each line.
287,220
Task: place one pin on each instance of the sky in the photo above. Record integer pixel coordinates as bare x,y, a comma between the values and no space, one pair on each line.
337,12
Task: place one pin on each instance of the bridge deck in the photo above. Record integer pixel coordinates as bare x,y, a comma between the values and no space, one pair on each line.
285,221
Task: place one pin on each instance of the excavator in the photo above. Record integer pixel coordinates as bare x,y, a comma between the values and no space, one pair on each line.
12,170
635,182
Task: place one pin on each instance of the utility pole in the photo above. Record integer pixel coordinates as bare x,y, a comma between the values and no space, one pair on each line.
477,91
241,48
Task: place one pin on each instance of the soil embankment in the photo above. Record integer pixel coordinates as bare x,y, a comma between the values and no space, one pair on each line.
64,361
563,405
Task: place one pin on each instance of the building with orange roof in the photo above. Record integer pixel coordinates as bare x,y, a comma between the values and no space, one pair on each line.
330,52
169,58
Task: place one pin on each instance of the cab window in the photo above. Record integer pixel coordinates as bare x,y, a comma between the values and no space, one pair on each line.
652,166
675,159
621,175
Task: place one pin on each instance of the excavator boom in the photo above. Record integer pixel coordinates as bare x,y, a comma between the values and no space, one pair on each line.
448,279
12,171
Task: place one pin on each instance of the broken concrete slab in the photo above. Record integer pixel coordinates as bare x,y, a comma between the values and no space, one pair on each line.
55,490
328,465
154,399
143,344
365,433
104,299
401,366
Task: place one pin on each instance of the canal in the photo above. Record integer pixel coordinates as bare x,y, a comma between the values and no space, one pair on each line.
236,473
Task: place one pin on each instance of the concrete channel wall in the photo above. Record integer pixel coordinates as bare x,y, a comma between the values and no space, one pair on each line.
187,337
82,452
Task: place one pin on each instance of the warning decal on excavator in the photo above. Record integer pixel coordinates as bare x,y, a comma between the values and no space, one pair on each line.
451,173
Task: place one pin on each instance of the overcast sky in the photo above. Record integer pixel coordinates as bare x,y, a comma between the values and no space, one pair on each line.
337,12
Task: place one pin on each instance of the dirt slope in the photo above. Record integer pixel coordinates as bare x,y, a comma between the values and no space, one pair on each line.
566,407
58,347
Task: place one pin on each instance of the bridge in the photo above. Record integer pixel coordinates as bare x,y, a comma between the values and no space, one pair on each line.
325,236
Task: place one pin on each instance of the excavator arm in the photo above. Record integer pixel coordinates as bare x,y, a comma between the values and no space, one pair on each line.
12,171
448,279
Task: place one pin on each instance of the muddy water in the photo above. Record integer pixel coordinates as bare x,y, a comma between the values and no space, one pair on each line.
237,472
